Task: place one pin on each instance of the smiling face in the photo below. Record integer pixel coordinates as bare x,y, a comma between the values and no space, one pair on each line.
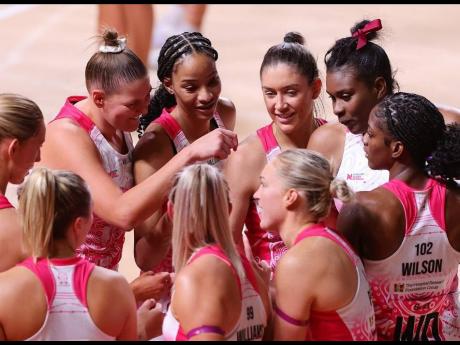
352,99
26,154
196,86
377,144
288,96
124,107
269,198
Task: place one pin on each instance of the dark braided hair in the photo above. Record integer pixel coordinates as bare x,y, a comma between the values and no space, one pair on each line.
419,125
369,62
175,47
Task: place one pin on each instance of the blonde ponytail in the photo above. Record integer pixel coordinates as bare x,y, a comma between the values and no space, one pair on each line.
49,202
36,208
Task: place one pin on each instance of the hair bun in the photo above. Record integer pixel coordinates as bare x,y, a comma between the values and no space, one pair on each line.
294,37
370,35
111,42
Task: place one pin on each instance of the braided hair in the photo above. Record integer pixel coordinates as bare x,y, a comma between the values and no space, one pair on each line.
175,48
419,125
368,62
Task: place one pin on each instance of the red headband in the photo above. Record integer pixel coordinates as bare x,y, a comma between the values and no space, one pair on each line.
372,26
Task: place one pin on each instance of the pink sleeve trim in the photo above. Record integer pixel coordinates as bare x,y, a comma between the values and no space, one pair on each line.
169,123
4,202
69,111
438,202
43,272
219,121
319,121
267,138
322,231
82,273
405,195
216,251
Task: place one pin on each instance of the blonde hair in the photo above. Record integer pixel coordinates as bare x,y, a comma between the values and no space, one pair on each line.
20,117
49,202
201,215
310,174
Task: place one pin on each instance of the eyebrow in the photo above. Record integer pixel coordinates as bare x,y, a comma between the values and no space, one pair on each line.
284,87
213,74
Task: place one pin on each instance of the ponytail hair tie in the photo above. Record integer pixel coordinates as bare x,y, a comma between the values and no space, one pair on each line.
372,26
114,49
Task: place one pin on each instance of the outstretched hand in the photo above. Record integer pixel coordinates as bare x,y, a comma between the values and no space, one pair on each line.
216,144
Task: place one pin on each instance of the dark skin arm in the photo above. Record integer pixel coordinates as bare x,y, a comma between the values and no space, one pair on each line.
374,223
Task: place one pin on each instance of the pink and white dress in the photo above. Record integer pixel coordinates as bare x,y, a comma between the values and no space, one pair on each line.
104,243
253,318
266,245
414,289
65,284
355,321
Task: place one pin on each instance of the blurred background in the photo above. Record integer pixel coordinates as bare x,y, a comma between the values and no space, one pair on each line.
45,48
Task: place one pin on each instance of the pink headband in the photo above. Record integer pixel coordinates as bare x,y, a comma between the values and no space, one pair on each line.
372,26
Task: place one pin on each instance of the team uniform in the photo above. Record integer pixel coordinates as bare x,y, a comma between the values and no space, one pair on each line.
355,321
65,284
4,202
414,289
253,317
354,168
104,243
179,142
266,246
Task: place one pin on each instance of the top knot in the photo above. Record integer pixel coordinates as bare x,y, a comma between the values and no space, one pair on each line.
293,37
112,43
365,31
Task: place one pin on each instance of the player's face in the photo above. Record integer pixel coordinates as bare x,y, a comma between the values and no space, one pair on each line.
352,99
26,154
124,107
288,96
196,86
377,144
269,198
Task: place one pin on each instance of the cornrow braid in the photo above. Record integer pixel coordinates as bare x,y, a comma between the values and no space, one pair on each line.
419,125
175,48
444,162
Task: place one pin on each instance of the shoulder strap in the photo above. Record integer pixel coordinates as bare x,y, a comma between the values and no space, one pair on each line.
267,138
405,195
4,202
69,111
42,270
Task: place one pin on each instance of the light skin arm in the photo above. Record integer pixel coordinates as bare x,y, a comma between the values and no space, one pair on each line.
329,140
10,239
242,171
125,210
111,304
206,293
295,285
